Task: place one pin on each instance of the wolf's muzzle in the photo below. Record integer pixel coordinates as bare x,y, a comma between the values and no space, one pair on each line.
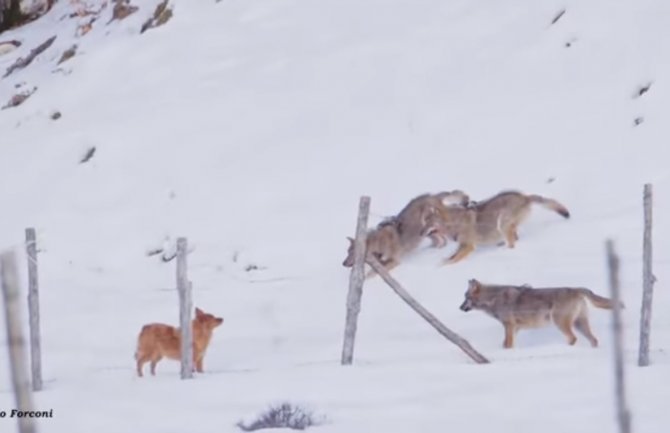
466,306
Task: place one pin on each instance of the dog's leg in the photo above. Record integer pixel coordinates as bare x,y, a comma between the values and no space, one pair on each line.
154,362
198,364
463,251
582,325
141,360
510,331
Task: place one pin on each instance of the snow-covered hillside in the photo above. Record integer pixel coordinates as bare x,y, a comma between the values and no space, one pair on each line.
253,126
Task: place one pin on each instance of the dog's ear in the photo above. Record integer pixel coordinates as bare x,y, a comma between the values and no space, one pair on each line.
199,312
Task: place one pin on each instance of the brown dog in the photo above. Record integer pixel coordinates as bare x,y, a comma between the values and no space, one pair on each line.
157,341
519,307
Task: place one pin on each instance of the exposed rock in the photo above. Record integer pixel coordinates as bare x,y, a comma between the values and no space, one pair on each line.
122,10
19,98
68,54
89,154
161,15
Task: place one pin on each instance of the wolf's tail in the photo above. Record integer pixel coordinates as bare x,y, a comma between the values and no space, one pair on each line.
599,301
550,204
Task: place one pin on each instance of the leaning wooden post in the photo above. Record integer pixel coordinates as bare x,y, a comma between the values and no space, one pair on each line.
647,281
623,413
356,279
185,306
16,343
427,316
34,310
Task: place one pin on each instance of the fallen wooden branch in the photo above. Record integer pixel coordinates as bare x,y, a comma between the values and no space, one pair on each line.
427,316
22,63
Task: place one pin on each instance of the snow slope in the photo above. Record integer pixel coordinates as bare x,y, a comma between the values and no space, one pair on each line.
253,126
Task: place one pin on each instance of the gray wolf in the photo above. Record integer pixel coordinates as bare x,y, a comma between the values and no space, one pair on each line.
522,307
491,221
157,341
397,236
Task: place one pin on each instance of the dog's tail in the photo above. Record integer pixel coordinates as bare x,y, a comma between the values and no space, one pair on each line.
599,301
138,349
550,204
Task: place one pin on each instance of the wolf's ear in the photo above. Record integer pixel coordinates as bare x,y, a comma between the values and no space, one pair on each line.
473,286
198,312
350,239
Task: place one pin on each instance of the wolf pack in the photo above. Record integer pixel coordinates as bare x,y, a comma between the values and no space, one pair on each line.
439,218
453,216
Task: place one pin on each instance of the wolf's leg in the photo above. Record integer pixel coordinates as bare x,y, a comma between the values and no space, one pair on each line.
463,251
438,240
392,263
510,331
371,273
564,323
582,325
515,231
510,235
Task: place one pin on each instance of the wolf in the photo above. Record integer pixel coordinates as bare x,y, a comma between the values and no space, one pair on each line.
157,341
492,221
383,243
397,236
412,218
519,307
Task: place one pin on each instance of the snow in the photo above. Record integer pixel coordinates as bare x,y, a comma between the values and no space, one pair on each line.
253,126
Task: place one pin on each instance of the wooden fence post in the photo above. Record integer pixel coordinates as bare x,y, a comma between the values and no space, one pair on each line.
356,279
34,310
623,413
647,281
425,314
16,343
185,306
